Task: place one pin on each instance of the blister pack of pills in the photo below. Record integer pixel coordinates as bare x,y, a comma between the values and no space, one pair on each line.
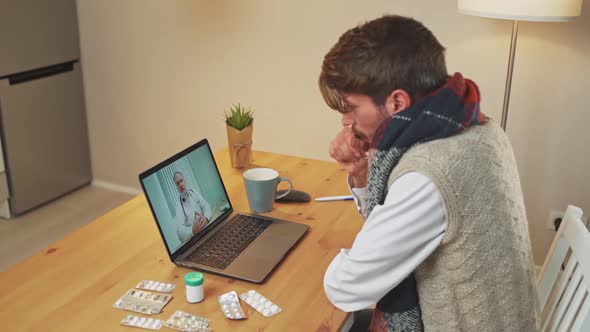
155,286
142,322
260,303
184,321
143,302
230,305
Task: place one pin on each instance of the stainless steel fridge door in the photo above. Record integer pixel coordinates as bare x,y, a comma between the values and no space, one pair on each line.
36,34
4,210
45,138
2,168
3,187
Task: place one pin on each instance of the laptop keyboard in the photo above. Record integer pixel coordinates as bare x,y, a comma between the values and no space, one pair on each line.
223,247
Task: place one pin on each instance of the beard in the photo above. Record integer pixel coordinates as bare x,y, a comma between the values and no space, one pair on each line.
184,194
381,119
360,135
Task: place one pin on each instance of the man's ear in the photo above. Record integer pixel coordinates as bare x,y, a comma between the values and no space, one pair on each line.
397,101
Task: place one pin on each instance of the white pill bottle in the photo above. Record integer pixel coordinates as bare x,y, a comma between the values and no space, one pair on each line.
194,287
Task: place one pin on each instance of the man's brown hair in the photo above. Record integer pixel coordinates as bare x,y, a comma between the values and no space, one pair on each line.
377,57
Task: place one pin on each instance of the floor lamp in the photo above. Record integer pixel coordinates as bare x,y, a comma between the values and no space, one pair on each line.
520,10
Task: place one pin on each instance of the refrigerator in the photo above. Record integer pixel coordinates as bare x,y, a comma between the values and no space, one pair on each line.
43,130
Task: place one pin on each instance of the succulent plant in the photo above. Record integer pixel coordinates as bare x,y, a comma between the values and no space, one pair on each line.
239,117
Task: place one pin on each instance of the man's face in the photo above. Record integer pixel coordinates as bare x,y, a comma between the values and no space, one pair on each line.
180,185
363,115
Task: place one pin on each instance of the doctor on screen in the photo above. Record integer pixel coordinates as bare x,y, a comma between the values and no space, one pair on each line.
192,210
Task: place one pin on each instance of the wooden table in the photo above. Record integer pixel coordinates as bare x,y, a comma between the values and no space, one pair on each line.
72,284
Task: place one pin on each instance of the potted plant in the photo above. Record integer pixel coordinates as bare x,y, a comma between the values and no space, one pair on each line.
239,122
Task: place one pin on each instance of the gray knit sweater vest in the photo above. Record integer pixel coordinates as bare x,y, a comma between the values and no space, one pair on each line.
481,277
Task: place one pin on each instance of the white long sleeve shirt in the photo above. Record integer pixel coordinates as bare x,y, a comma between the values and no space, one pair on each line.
397,237
185,213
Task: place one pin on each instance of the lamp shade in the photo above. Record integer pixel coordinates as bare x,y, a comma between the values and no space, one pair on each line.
523,10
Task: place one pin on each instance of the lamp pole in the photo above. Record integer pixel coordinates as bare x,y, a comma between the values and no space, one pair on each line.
508,85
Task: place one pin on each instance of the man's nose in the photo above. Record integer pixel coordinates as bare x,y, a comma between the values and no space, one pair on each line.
347,119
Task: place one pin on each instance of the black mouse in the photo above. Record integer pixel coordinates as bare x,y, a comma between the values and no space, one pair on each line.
293,196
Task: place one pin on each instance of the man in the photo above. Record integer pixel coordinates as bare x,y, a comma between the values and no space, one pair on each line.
445,244
192,210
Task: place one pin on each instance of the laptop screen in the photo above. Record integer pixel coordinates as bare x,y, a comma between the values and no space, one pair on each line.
186,195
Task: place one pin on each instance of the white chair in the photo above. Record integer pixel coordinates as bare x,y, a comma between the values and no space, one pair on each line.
563,294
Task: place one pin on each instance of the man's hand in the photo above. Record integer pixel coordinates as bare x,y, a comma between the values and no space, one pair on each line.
199,222
349,152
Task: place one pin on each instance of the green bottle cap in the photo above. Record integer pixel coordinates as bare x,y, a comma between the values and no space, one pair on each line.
194,279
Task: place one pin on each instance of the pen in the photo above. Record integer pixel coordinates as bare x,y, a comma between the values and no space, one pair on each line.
334,198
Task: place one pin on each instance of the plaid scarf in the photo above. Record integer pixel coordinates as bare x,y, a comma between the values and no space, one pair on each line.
445,112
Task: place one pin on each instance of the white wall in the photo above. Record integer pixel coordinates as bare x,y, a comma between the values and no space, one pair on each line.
549,121
159,74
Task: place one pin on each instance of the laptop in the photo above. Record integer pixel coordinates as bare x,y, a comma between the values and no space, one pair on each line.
199,227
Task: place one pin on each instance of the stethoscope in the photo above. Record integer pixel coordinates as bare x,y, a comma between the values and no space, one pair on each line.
182,204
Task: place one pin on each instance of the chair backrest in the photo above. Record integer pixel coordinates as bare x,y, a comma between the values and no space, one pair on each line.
564,280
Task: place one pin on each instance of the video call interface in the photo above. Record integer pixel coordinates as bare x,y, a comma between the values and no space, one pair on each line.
186,197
